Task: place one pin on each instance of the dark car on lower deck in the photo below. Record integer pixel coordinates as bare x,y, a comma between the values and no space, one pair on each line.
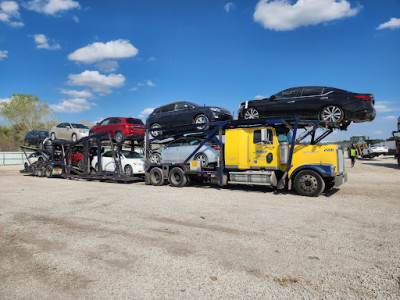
35,138
313,103
185,113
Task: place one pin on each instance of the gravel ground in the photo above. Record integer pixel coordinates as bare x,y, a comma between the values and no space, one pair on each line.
63,239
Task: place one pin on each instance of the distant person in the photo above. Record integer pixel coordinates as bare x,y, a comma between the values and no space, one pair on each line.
353,154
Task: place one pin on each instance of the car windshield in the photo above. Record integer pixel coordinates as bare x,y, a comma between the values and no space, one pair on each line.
134,121
79,126
131,154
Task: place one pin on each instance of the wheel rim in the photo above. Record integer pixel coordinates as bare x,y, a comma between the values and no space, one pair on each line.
53,136
128,170
118,137
201,120
177,177
155,133
308,183
251,113
202,159
154,159
332,114
74,138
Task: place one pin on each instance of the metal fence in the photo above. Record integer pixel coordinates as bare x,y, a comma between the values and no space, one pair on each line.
12,158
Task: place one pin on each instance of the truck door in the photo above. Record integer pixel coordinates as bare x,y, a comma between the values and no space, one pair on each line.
263,149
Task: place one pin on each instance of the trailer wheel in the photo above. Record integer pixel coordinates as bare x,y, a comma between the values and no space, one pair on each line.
309,183
177,177
156,177
49,171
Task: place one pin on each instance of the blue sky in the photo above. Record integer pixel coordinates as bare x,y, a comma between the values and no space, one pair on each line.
97,58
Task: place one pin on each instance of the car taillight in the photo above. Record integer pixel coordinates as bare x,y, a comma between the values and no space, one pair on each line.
365,98
215,148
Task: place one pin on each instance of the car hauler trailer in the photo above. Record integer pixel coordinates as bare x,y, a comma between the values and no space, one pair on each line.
256,152
58,159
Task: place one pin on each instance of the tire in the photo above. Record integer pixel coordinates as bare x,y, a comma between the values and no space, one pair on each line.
251,113
156,176
80,164
155,133
40,172
201,119
128,170
49,171
91,133
177,177
202,158
155,158
26,143
332,113
52,136
96,167
119,137
74,138
309,183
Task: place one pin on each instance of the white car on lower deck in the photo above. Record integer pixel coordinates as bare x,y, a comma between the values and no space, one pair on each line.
132,162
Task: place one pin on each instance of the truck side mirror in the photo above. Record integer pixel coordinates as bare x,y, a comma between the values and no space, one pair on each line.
265,136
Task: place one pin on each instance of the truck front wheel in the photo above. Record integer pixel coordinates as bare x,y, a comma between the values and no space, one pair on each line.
177,177
309,183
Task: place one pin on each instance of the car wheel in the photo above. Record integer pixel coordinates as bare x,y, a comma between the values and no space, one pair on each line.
49,171
155,158
177,177
119,137
156,177
309,183
202,158
128,170
251,113
332,113
74,138
52,136
155,133
80,164
26,143
201,119
96,167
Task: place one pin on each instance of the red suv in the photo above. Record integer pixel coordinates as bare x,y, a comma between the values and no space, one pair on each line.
120,128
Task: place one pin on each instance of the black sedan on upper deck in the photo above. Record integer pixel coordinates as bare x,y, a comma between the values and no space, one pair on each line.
185,113
313,103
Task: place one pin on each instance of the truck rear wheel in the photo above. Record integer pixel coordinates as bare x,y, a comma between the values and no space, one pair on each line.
309,183
156,176
177,177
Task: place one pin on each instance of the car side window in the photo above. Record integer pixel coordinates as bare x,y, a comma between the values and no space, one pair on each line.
107,154
289,93
311,91
194,142
168,108
175,144
181,106
105,122
60,125
115,121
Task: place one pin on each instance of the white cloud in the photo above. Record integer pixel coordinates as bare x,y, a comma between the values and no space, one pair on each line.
260,97
3,54
151,58
77,94
390,118
76,19
135,88
9,13
51,7
100,51
107,65
98,82
281,15
393,23
42,42
150,83
146,112
5,100
381,107
76,105
229,6
140,84
378,132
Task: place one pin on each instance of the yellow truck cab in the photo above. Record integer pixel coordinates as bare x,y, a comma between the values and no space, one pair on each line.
260,155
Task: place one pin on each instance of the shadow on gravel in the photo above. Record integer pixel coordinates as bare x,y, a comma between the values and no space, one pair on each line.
385,165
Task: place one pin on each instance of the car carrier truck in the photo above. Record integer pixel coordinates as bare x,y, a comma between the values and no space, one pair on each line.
257,152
